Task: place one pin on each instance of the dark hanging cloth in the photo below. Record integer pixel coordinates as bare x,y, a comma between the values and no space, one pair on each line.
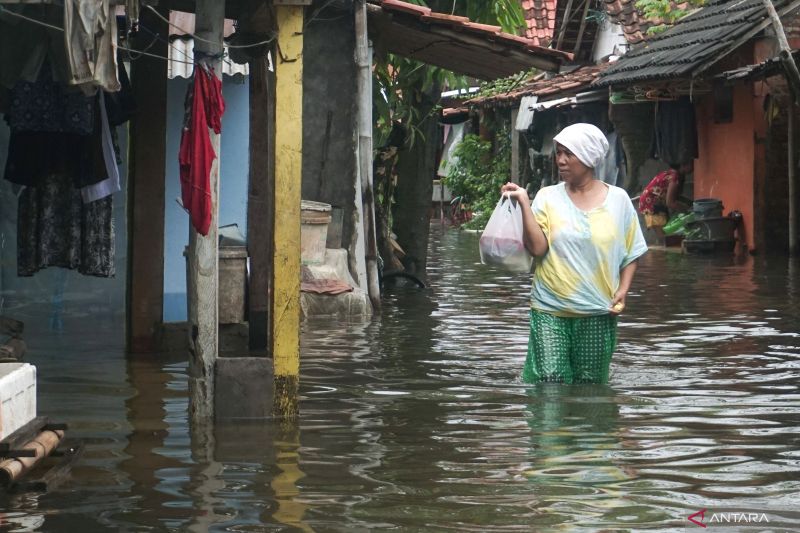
53,131
204,109
56,229
121,105
34,156
45,105
675,133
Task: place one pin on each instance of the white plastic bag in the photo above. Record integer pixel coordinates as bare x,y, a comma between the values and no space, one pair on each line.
501,243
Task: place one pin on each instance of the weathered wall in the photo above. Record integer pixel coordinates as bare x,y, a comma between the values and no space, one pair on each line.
726,162
329,116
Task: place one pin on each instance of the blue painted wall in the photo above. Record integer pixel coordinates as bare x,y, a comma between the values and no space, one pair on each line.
233,184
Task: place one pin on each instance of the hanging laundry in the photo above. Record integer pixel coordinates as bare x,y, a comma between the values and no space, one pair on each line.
675,133
204,109
121,105
111,184
46,105
25,46
56,229
90,38
55,130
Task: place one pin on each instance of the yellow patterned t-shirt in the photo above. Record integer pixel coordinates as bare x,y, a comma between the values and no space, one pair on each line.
580,272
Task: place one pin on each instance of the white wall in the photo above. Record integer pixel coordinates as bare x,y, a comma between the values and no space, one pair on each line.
610,41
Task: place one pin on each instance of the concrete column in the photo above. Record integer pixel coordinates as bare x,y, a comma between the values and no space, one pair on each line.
288,180
203,253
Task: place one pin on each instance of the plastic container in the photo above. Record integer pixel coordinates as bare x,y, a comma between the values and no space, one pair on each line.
232,284
17,396
712,229
314,220
677,224
707,208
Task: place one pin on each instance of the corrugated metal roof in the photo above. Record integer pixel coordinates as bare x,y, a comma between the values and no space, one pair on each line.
765,69
479,50
181,61
693,44
181,49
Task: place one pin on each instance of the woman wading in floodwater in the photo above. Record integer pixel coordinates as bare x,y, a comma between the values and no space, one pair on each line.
586,237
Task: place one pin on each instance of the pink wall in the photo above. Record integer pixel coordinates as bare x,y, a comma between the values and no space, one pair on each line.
725,166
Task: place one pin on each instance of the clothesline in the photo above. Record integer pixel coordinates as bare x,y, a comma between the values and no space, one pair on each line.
127,49
193,36
159,15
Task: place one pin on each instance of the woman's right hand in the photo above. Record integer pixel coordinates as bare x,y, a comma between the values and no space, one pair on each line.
512,190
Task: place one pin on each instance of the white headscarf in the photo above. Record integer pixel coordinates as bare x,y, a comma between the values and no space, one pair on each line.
586,141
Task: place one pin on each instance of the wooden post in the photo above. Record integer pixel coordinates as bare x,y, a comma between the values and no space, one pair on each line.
514,146
789,66
288,180
260,202
203,253
146,193
364,89
441,201
792,177
581,29
793,77
564,22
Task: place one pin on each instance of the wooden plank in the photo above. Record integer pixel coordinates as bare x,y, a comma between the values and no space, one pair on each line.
288,178
12,350
260,203
564,24
365,155
146,194
203,253
515,146
9,326
24,434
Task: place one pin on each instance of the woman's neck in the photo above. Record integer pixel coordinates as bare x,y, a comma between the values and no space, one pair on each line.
583,186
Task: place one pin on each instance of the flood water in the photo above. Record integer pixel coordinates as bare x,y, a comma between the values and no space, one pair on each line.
418,421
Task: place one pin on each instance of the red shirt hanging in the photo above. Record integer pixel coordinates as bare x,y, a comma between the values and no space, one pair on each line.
204,109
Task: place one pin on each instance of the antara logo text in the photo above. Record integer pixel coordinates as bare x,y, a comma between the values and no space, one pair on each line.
699,518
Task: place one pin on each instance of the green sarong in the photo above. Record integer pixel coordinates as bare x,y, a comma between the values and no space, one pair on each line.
570,349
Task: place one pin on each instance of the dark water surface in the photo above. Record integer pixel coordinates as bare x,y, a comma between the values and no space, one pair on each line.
418,421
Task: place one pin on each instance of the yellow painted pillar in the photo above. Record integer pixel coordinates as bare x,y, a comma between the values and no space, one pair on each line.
288,176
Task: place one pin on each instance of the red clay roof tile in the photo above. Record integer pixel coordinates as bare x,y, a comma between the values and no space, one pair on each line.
570,83
405,7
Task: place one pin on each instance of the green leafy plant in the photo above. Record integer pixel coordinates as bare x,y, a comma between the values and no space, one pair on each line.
505,85
665,13
479,171
399,82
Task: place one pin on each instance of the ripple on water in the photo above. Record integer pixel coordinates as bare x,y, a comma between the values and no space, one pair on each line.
417,420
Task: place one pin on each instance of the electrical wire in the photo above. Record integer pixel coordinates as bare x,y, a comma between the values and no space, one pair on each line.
158,37
148,54
193,36
23,17
129,50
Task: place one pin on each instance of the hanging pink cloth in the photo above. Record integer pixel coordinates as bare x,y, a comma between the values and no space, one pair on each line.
205,107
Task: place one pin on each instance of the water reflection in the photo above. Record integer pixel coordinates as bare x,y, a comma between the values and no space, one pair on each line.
419,421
